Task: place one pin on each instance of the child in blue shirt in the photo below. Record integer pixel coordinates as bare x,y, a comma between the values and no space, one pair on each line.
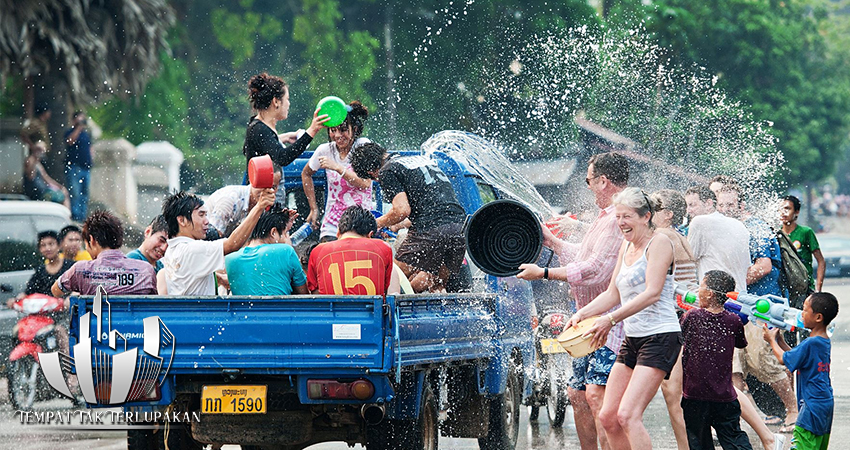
811,360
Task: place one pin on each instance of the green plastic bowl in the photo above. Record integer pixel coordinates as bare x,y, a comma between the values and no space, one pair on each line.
335,108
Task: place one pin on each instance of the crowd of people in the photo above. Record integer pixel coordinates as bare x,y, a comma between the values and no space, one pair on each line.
622,274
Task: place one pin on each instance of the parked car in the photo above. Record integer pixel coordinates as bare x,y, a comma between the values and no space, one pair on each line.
20,223
836,254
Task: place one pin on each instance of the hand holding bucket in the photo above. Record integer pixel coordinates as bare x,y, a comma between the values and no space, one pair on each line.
501,236
576,340
335,108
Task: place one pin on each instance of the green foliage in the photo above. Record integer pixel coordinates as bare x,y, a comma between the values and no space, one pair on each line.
776,57
160,113
239,32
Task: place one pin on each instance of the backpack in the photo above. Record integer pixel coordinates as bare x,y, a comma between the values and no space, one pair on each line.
793,275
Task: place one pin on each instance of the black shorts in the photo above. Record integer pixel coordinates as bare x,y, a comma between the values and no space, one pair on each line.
429,250
657,350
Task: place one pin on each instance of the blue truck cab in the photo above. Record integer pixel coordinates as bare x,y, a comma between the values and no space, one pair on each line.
290,372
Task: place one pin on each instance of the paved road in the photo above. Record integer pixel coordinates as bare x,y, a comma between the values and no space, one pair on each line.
532,436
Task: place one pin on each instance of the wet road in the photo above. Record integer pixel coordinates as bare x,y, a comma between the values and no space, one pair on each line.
532,436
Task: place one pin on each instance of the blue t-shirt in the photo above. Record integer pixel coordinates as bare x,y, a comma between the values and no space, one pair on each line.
270,269
814,392
137,254
79,154
763,244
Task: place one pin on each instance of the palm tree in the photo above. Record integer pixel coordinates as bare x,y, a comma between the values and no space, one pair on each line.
73,52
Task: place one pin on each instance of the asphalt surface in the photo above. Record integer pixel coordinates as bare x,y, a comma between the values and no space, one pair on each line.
532,436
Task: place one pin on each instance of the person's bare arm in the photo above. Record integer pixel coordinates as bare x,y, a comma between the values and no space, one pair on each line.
75,134
821,269
161,284
395,286
399,211
241,234
310,193
758,270
300,290
56,290
777,342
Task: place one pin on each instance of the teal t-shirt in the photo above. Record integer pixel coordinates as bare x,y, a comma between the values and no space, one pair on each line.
137,254
806,243
811,360
270,269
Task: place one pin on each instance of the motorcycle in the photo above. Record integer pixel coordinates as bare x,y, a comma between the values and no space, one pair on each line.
553,371
35,332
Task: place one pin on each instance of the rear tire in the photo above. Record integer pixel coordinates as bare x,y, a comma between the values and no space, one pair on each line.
556,400
422,433
23,383
504,415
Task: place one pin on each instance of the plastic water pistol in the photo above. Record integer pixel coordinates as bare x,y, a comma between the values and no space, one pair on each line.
769,309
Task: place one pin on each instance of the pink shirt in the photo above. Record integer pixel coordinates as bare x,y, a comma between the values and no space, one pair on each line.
118,274
590,266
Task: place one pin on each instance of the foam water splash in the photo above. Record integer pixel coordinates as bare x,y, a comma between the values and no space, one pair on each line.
674,121
489,160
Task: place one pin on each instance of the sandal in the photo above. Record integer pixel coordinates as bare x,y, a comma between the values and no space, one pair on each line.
774,420
788,428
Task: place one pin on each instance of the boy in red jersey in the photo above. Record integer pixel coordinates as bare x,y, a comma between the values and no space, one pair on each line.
354,264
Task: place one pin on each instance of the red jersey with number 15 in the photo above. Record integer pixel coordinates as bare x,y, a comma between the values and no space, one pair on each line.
350,266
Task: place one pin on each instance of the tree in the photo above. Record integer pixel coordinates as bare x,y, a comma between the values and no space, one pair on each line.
774,56
74,51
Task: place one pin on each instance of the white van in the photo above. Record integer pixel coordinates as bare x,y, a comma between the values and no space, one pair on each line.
20,223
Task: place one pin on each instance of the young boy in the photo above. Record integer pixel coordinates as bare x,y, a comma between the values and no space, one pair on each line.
811,359
710,335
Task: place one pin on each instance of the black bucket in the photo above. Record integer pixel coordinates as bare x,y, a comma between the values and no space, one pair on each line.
501,235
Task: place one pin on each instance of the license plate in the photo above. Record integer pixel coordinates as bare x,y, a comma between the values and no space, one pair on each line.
549,346
233,400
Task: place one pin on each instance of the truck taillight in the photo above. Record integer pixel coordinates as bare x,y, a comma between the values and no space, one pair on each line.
556,324
332,389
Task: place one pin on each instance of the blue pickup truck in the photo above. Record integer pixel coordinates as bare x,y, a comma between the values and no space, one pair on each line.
289,372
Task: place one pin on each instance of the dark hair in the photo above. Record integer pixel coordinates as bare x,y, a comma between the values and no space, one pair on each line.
305,257
824,303
68,229
263,88
179,204
367,158
672,201
794,201
719,283
358,220
47,234
722,179
159,224
275,218
105,228
703,192
613,165
354,119
77,113
41,108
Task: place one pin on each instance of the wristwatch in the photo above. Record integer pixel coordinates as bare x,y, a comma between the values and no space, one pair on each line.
545,273
611,318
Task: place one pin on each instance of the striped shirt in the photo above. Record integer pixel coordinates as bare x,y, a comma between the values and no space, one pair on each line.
684,263
591,265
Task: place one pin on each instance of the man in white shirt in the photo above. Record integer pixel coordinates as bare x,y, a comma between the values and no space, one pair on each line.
228,206
190,263
718,242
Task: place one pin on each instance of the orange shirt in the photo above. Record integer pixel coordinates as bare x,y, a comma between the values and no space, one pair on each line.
350,266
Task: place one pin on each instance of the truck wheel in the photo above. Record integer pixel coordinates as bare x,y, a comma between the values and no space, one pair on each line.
145,440
503,430
422,433
557,400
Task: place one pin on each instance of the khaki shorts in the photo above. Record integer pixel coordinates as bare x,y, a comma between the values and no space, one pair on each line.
758,358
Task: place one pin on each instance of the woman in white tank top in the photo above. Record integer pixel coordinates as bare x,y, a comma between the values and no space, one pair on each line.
643,284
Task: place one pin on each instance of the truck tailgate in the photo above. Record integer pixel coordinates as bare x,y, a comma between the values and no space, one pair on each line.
254,334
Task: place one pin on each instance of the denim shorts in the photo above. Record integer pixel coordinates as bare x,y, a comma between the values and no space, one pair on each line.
593,368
